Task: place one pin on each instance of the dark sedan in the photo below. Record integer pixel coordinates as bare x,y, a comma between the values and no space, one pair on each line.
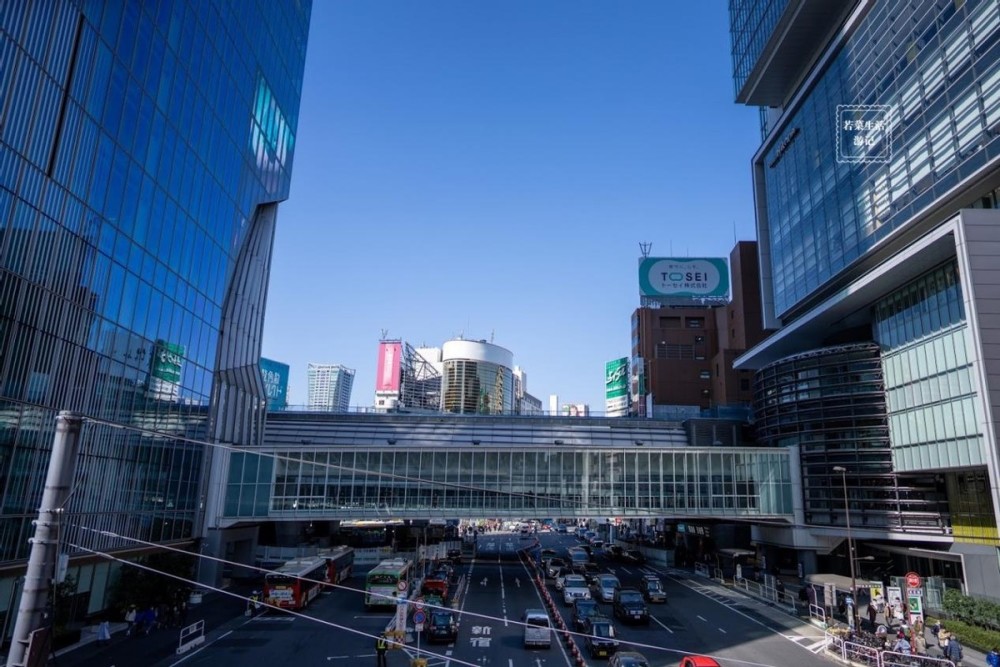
442,627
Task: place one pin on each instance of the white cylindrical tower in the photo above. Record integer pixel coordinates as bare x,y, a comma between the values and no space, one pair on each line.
477,378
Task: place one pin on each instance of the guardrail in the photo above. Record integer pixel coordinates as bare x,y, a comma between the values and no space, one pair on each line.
190,637
818,613
861,654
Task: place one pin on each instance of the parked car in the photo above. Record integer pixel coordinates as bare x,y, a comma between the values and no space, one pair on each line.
605,587
698,661
583,610
628,659
561,529
443,627
615,552
537,628
635,556
652,588
629,606
574,587
455,556
600,639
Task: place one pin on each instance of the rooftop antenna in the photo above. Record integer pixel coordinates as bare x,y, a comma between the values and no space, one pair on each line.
645,247
492,334
385,334
735,241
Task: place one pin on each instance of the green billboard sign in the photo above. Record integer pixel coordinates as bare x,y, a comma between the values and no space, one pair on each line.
616,387
168,360
275,376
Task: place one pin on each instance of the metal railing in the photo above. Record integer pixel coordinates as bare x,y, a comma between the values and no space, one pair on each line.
863,654
818,612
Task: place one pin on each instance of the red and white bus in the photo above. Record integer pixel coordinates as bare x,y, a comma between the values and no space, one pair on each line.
340,563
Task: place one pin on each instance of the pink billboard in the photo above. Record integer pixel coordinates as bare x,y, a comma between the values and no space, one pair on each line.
387,378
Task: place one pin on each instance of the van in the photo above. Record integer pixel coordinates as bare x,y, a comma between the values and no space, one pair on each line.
537,629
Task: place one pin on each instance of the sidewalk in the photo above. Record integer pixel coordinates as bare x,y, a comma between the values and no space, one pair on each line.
220,612
971,656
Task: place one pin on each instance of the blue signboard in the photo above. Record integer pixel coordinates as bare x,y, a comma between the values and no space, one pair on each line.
275,376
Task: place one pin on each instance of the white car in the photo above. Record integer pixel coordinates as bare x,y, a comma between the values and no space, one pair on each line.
575,588
561,577
605,587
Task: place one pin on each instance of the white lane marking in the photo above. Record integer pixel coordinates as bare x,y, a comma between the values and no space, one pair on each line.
703,618
625,570
817,646
696,589
510,662
723,631
660,623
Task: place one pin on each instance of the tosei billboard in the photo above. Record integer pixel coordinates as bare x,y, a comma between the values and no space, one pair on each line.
387,374
616,387
275,376
679,279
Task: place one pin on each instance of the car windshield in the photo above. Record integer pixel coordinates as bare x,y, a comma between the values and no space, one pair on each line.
609,582
633,662
604,630
539,621
630,596
441,618
653,585
575,580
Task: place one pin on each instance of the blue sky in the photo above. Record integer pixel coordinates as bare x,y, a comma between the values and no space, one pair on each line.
489,168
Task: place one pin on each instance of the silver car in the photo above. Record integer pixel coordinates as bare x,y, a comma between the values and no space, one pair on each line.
604,589
575,588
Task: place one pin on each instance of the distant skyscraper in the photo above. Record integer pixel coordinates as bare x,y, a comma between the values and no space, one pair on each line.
330,387
144,147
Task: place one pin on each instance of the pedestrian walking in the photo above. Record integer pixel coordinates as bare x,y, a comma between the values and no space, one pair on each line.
918,642
993,658
954,650
104,633
381,646
130,619
902,645
872,614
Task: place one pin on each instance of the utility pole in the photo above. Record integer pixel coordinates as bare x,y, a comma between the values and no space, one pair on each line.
31,614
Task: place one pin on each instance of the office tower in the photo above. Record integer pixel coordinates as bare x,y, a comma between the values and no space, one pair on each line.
144,147
876,194
330,387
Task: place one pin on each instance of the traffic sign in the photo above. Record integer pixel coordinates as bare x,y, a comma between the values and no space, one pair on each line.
419,617
913,580
418,608
418,627
401,585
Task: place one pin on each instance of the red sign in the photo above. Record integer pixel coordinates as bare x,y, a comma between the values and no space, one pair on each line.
913,580
387,374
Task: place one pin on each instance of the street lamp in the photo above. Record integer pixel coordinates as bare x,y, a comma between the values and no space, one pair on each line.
850,539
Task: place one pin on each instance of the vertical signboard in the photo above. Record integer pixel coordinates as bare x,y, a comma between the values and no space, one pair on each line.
165,370
387,373
616,381
275,376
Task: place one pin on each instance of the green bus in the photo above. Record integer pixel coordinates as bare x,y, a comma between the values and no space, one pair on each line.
382,583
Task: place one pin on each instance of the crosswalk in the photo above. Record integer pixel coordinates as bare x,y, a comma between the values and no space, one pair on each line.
811,644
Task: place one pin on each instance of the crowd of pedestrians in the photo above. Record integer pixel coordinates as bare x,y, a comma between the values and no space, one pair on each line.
143,620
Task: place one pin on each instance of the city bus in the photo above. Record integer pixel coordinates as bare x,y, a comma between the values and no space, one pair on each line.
382,582
296,583
340,563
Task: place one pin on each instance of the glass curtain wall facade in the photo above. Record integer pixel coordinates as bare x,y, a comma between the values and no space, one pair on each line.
343,482
940,77
143,146
831,403
477,387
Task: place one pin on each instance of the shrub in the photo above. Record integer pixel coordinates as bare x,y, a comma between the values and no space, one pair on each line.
971,635
974,611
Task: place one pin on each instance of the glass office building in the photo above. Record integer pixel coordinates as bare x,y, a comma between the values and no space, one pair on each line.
144,146
876,205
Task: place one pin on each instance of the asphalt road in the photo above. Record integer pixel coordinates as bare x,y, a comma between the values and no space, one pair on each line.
699,617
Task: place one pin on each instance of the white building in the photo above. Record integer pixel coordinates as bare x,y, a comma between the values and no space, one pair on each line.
330,387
